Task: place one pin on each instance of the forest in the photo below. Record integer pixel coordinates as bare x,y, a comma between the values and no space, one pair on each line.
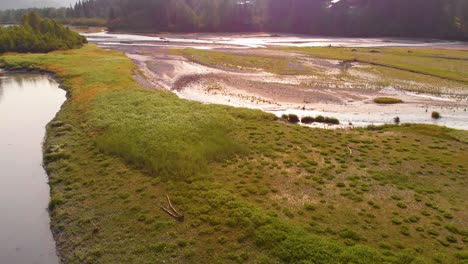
354,18
36,34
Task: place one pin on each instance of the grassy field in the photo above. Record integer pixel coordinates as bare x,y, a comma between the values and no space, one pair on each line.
254,189
233,61
445,64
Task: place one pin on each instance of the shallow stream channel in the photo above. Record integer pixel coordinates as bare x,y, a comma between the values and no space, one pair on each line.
27,103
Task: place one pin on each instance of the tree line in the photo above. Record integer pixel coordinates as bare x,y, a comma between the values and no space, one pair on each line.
356,18
36,34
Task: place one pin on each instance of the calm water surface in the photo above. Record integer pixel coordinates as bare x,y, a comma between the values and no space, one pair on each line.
27,103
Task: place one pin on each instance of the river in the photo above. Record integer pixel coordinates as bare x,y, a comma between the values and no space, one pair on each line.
257,40
27,103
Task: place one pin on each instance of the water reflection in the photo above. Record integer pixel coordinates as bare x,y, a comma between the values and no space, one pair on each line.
27,103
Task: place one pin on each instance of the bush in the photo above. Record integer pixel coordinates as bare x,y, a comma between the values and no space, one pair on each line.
320,119
303,249
292,118
463,255
307,120
349,234
310,207
451,239
455,230
435,115
341,184
331,120
360,255
387,100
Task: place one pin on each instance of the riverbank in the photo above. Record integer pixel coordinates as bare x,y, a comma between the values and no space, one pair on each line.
253,189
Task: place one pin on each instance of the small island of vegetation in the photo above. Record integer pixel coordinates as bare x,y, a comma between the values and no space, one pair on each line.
36,34
387,100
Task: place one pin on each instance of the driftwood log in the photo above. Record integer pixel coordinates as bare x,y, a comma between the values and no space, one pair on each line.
172,211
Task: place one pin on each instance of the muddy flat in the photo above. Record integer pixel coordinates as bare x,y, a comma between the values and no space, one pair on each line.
241,71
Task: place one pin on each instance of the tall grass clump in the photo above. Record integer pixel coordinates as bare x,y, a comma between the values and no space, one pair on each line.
387,100
162,134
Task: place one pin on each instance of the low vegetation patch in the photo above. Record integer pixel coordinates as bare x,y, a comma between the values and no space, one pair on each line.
235,61
444,64
387,100
292,118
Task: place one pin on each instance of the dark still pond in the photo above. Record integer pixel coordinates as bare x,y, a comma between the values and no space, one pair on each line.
27,103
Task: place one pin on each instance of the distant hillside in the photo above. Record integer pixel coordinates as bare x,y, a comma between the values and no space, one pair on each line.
18,4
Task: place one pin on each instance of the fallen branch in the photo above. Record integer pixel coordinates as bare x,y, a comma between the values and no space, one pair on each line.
173,212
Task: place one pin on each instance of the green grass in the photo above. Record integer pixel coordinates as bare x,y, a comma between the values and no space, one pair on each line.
435,71
445,64
253,189
387,100
236,61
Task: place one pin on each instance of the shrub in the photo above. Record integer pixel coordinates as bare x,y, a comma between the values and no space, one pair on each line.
432,232
435,115
463,255
397,221
402,205
360,255
349,234
292,118
448,215
451,239
341,184
331,120
320,119
222,240
301,249
455,230
404,230
310,207
414,218
387,100
307,120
